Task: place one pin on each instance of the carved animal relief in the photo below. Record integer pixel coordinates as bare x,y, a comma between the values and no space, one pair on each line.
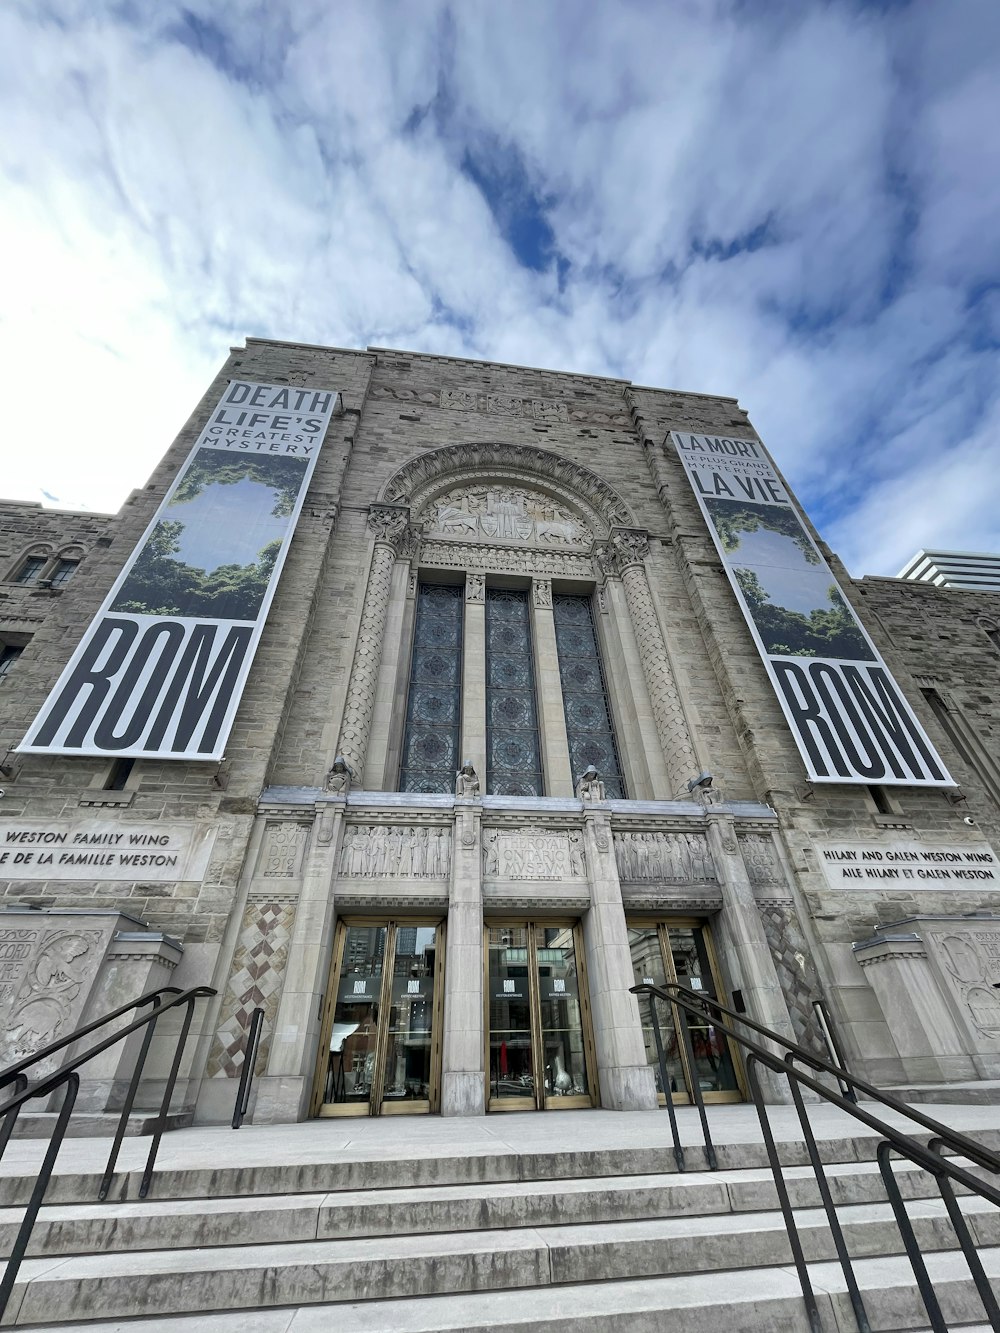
505,513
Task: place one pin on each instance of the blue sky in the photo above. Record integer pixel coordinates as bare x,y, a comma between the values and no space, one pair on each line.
227,524
792,201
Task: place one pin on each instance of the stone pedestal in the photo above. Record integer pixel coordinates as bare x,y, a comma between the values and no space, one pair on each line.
936,979
62,969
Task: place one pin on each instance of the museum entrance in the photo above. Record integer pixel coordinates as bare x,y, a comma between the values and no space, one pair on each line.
540,1051
380,1040
681,951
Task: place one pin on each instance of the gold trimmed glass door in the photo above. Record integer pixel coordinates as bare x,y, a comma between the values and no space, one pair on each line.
538,1029
380,1047
682,951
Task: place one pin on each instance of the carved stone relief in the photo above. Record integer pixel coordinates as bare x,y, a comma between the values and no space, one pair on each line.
281,852
673,857
507,559
390,851
971,961
533,853
761,861
500,405
501,512
45,979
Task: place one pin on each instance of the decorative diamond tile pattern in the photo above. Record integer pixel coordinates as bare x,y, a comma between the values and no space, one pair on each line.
256,979
795,973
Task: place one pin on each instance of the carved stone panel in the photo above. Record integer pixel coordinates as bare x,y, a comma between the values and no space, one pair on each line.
761,860
281,851
533,853
391,851
46,975
677,858
503,512
967,957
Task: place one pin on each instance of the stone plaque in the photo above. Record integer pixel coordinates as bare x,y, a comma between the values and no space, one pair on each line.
103,849
909,864
532,853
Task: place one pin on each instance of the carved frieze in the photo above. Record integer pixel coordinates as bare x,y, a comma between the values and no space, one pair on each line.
506,559
392,851
533,853
500,405
678,858
45,979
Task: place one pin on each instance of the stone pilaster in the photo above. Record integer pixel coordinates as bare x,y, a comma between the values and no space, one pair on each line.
744,944
388,524
625,555
474,675
626,1080
548,688
463,1074
284,1090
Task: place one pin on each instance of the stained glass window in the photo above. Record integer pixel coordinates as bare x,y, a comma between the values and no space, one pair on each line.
585,701
513,758
434,699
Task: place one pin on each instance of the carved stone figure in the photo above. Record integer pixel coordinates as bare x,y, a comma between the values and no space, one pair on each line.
675,857
589,786
467,780
505,513
390,852
338,780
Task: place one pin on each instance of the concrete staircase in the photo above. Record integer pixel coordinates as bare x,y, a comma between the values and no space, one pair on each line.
369,1237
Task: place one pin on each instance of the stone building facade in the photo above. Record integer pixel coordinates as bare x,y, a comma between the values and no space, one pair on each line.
500,577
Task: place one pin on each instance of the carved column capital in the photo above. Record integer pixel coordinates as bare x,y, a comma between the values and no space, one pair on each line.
388,523
629,545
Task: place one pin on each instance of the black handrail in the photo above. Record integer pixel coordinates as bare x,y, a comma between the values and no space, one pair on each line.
11,1072
249,1060
66,1076
930,1157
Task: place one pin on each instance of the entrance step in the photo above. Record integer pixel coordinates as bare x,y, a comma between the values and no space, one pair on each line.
765,1301
184,1223
119,1285
981,1092
86,1125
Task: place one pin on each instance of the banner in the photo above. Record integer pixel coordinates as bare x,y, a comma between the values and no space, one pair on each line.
160,670
847,714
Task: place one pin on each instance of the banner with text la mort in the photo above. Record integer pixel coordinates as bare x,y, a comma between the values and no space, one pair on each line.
847,714
161,668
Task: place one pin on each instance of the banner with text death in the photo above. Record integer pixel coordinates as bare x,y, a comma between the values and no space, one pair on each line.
847,714
161,668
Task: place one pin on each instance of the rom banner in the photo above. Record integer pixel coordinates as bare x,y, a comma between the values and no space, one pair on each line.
847,714
161,669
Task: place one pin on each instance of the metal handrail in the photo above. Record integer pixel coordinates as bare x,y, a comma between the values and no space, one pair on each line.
66,1076
930,1157
249,1060
10,1073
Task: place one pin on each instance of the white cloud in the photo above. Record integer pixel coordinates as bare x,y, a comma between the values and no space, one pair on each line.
798,206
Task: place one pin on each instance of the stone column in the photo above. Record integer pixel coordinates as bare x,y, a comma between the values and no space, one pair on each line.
388,523
625,554
474,675
548,690
463,1074
626,1080
744,945
283,1091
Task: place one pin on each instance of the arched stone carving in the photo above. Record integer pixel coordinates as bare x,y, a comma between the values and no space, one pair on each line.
497,511
424,479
